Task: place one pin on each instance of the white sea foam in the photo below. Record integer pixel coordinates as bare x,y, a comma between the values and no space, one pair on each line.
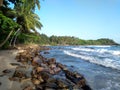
99,46
113,52
107,62
84,49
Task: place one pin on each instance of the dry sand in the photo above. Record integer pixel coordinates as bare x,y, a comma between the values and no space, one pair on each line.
7,57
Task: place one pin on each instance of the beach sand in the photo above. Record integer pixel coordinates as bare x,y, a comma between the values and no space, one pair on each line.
7,57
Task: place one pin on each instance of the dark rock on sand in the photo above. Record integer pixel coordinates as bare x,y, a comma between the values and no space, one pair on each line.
46,52
15,64
6,71
51,61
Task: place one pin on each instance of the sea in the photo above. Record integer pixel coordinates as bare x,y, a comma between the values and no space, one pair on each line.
100,65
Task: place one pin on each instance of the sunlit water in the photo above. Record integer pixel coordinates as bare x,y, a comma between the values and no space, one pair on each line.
100,65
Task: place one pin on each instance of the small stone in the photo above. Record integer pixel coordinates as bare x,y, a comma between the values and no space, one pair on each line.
51,61
52,66
40,79
51,71
14,79
62,84
28,88
57,69
36,81
46,52
15,64
6,71
39,69
45,75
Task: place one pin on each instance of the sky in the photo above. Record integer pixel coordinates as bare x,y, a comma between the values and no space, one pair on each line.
85,19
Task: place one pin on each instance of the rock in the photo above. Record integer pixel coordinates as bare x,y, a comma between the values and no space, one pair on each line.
0,83
26,80
34,63
51,80
44,66
45,75
63,67
39,69
51,61
86,87
40,79
15,64
42,58
36,59
36,81
26,84
28,88
76,78
14,79
6,71
50,86
52,66
51,72
57,70
20,73
46,52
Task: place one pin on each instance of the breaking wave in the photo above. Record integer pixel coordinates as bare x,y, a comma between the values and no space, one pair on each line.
107,62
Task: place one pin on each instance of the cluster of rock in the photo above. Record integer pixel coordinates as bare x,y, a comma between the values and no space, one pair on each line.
41,73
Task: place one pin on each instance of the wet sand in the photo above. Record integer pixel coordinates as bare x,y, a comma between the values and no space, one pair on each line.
7,57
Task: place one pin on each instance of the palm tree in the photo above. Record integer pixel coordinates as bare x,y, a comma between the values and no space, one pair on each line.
26,17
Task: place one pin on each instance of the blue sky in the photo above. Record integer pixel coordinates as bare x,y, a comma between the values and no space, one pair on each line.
85,19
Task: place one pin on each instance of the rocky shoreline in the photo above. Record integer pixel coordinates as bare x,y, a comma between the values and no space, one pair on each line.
36,72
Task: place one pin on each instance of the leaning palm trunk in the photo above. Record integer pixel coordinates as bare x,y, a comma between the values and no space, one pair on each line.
14,36
6,38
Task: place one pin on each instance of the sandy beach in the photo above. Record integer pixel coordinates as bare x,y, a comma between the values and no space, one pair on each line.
7,57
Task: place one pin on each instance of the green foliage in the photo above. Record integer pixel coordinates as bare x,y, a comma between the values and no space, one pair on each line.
28,38
67,40
26,17
22,12
6,25
106,41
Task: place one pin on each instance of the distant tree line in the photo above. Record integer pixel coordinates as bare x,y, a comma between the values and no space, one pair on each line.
64,40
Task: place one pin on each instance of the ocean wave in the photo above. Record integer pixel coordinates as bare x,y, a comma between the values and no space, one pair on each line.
84,49
107,62
99,46
101,51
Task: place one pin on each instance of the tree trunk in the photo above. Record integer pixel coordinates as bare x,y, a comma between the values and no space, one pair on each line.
6,38
16,37
1,3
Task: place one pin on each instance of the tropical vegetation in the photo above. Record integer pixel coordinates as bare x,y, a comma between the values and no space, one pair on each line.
19,24
18,18
70,40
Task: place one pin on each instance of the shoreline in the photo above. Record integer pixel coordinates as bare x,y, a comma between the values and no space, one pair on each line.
41,69
7,57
